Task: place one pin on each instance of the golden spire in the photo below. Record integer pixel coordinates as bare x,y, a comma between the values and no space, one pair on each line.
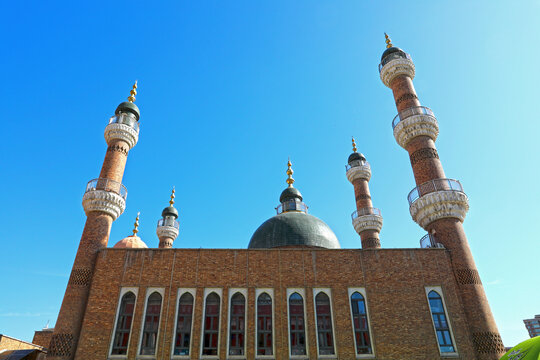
133,92
353,145
136,228
388,41
171,202
290,179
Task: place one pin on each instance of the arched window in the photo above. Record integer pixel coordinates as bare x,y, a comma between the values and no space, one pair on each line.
360,324
324,324
211,325
151,324
296,324
237,324
264,325
441,324
123,324
183,325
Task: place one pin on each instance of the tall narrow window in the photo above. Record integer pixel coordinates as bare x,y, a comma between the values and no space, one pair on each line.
183,325
237,324
264,325
151,324
123,325
211,325
441,324
360,324
324,324
296,324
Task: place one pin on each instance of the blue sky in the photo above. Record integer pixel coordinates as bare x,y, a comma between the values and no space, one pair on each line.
229,90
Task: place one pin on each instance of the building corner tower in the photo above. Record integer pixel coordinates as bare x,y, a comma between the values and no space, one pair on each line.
438,204
367,220
103,201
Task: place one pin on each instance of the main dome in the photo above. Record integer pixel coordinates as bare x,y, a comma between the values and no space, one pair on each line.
293,229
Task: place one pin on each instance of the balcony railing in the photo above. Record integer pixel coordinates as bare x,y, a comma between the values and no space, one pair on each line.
168,222
387,59
415,110
356,163
292,205
365,211
126,119
432,186
107,185
428,241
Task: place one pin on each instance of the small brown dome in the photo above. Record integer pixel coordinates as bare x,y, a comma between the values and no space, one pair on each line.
130,242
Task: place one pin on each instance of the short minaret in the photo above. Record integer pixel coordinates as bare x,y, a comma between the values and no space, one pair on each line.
438,204
167,227
291,198
367,220
103,201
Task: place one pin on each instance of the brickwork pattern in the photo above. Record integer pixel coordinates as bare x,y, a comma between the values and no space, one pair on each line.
488,343
43,338
394,280
61,345
80,277
423,154
468,276
9,343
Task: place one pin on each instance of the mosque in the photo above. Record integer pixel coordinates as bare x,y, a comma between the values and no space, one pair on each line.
293,293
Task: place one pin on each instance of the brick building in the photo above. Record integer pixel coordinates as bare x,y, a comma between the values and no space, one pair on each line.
533,326
294,293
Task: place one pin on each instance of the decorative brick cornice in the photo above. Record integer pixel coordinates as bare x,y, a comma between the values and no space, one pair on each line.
169,232
438,205
368,222
118,148
81,277
395,68
115,131
413,126
61,346
488,343
359,172
423,154
405,97
468,277
371,243
362,197
105,201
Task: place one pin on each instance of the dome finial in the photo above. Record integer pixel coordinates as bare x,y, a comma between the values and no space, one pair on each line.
171,202
136,225
388,41
353,145
290,179
133,92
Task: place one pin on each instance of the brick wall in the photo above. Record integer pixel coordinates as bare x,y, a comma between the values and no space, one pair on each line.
9,343
394,280
43,337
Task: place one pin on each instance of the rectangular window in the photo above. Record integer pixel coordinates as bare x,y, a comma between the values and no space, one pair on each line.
360,323
210,328
264,323
184,320
323,317
297,328
237,321
124,320
441,324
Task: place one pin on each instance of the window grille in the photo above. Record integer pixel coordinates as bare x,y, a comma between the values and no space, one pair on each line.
183,325
123,324
360,324
324,324
237,324
296,325
441,324
151,324
264,325
211,325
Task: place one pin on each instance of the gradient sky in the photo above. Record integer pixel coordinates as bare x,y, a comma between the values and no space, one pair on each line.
229,90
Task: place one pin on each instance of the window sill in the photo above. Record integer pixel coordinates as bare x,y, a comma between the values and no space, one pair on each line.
365,356
450,355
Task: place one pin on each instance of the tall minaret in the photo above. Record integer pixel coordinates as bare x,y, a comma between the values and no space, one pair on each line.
103,201
167,227
438,204
367,220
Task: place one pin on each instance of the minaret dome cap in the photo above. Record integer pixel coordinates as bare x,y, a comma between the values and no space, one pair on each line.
290,193
170,211
129,107
356,156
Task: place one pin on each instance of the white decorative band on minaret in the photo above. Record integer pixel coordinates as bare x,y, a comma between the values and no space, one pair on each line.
438,205
359,172
115,131
105,201
368,222
165,232
416,125
395,68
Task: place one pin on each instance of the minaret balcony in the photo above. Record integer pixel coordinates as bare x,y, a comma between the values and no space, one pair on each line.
167,228
106,196
438,199
413,122
123,126
367,218
358,169
393,66
428,241
292,205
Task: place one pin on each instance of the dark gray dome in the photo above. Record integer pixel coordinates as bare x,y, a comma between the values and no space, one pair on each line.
130,107
293,228
393,50
356,156
170,211
290,193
